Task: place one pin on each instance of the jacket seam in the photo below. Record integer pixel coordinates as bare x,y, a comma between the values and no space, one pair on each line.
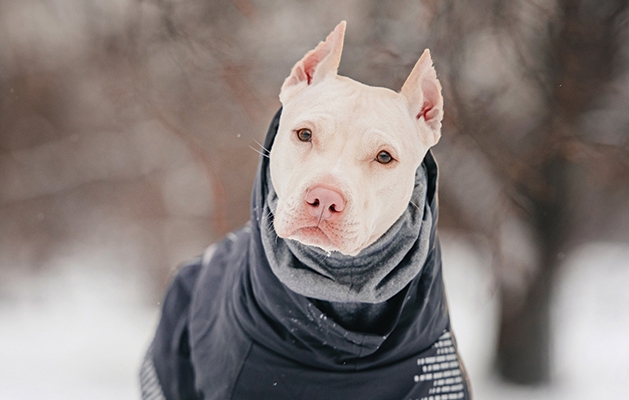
240,369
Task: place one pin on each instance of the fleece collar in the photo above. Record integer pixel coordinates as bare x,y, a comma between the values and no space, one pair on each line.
375,275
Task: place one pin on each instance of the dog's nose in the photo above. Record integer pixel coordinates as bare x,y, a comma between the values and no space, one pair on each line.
323,203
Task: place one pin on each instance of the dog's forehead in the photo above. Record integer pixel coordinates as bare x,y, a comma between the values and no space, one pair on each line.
354,108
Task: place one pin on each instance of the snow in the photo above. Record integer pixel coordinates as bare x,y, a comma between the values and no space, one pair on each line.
590,326
74,334
83,341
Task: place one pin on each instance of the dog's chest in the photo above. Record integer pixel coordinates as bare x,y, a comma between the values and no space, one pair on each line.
239,354
435,372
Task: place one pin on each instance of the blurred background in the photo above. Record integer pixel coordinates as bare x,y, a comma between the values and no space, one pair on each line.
129,134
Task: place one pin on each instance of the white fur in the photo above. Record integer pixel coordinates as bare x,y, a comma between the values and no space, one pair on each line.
350,124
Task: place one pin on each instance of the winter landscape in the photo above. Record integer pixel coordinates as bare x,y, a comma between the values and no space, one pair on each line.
129,139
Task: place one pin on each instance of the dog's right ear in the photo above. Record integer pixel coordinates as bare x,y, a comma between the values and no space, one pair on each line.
316,65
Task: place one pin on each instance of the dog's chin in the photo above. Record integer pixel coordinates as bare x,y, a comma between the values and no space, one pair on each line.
315,236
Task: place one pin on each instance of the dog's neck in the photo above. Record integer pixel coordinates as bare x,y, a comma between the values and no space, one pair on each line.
357,291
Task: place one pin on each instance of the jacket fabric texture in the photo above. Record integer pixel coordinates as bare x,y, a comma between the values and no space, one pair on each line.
230,329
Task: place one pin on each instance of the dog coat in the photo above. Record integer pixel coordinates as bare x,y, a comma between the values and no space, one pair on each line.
231,329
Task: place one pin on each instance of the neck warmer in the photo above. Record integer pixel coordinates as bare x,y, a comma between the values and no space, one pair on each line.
375,275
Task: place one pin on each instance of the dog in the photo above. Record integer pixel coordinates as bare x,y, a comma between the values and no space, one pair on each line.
334,289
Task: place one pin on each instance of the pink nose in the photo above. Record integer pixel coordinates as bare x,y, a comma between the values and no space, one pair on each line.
323,203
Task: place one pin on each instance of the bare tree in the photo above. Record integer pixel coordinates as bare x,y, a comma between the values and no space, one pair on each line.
563,57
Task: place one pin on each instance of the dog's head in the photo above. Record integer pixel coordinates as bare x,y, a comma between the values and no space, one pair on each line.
344,159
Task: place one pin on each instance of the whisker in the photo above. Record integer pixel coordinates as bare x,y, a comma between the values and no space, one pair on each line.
268,224
259,152
267,220
262,146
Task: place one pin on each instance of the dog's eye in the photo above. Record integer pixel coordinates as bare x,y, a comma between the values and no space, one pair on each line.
305,135
384,157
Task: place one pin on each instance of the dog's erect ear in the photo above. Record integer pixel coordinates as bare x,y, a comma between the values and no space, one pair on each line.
422,91
316,65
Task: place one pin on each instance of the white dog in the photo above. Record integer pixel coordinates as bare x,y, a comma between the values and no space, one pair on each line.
334,290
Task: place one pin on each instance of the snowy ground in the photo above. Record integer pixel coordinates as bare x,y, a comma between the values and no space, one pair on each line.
73,335
590,323
78,338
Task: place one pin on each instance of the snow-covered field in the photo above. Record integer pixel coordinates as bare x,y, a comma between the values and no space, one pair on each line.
590,313
73,336
76,335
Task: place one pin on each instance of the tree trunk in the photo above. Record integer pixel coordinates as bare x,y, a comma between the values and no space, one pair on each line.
524,340
582,48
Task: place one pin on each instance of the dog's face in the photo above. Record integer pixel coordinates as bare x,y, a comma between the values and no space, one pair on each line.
344,159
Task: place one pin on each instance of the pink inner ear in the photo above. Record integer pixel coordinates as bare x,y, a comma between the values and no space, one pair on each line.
426,108
428,112
301,76
311,62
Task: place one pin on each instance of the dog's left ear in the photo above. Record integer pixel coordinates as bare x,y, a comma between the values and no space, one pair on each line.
321,62
422,91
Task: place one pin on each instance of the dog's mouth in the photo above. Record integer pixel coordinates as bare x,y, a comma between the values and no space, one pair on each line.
339,235
314,236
